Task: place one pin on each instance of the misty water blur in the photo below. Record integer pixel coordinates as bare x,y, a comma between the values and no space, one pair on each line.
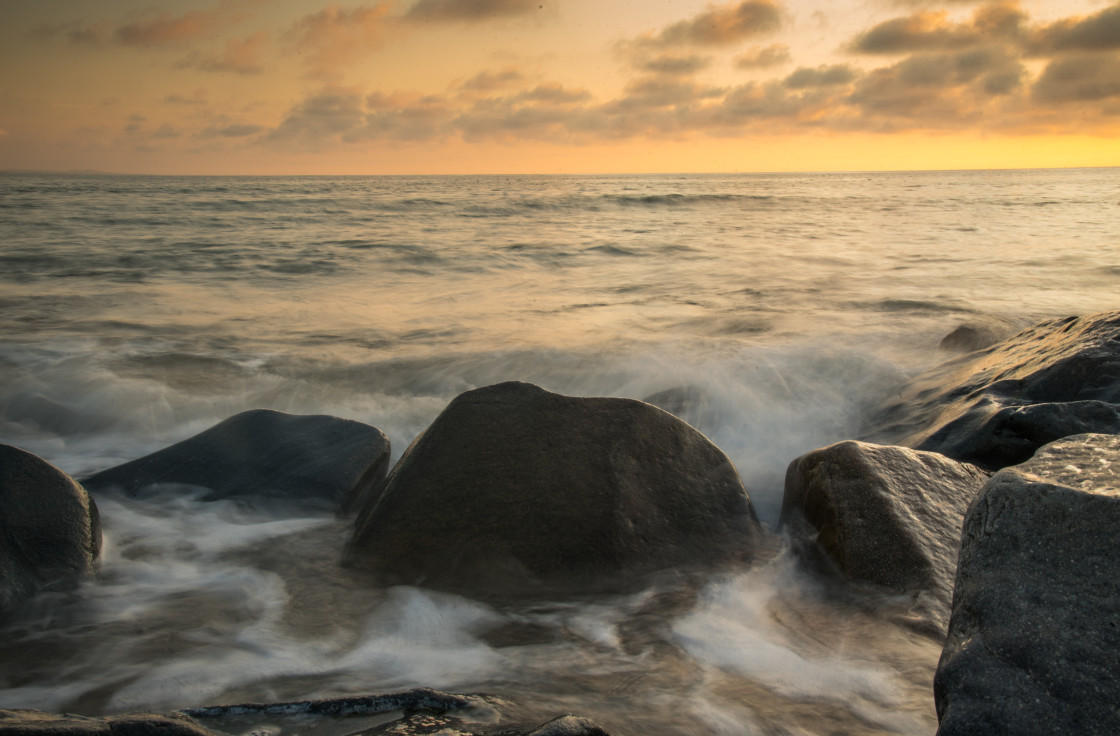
771,312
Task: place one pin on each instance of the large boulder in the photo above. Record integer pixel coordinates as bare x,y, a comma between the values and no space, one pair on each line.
884,515
50,531
1035,633
514,490
306,460
995,407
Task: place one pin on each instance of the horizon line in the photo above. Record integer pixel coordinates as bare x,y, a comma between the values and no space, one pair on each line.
99,172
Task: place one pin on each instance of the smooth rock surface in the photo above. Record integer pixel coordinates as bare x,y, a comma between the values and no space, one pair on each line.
50,531
995,407
307,460
1035,633
885,515
514,490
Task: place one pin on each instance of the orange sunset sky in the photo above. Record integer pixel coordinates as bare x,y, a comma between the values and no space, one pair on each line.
543,86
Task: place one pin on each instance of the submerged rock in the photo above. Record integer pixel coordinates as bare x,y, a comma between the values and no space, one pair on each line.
977,334
885,515
1035,630
307,460
996,407
514,490
50,531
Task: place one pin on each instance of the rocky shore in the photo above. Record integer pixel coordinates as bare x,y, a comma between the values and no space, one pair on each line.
986,493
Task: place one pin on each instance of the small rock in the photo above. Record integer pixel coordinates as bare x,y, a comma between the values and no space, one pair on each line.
977,334
885,515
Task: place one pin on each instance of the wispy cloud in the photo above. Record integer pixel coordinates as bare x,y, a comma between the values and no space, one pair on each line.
75,32
171,29
720,25
764,57
334,37
489,81
328,115
821,76
240,56
470,10
675,65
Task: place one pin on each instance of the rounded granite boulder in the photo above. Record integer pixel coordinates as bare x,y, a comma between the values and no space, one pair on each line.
516,491
50,531
885,515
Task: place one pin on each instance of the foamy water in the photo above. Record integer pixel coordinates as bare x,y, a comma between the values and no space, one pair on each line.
769,311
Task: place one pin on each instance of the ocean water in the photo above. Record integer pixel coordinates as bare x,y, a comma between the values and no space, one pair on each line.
777,309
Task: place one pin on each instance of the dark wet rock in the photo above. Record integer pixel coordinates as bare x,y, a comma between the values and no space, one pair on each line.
994,408
569,726
884,515
442,724
416,699
977,334
37,723
409,713
306,460
50,531
514,490
1035,630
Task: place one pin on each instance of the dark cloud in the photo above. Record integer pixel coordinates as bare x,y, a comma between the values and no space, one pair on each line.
720,25
1097,32
675,65
1079,78
240,56
470,10
764,102
822,76
655,92
938,87
764,57
933,31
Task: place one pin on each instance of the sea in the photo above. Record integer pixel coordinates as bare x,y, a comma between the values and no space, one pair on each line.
136,311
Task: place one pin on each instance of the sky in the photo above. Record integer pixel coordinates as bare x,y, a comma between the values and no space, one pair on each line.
557,86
